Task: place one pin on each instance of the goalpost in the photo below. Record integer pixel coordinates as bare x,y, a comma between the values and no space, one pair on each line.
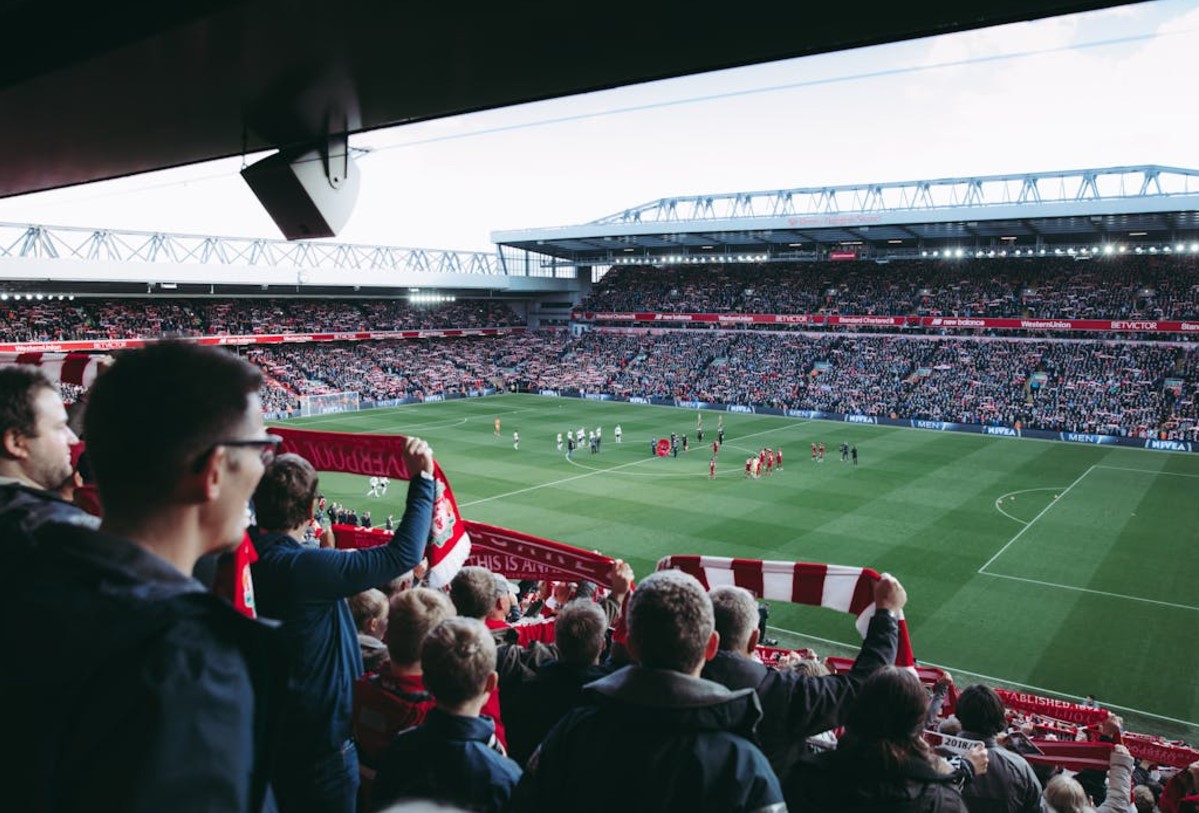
328,403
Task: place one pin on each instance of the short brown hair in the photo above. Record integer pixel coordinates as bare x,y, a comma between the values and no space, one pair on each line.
456,658
413,613
735,611
474,592
19,386
580,630
670,621
154,410
367,605
285,494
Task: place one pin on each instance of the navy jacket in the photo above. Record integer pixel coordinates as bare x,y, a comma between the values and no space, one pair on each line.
306,589
796,706
129,687
447,759
24,509
675,742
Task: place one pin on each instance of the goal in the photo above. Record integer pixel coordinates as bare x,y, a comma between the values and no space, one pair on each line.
328,403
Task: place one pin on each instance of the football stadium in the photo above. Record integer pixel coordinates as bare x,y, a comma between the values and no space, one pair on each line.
898,467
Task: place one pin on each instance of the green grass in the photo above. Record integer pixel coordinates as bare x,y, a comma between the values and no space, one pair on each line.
1065,569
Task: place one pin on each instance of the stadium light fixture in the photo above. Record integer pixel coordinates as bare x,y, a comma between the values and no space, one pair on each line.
1108,249
1180,247
961,253
3,297
1152,249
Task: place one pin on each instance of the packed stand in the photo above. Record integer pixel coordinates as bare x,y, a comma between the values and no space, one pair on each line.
101,319
1136,287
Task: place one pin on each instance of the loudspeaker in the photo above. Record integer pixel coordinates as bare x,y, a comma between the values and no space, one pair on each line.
306,193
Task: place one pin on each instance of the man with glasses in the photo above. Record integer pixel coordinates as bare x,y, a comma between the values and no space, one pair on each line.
165,701
306,589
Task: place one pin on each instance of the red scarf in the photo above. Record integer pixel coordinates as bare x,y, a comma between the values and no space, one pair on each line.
846,589
382,456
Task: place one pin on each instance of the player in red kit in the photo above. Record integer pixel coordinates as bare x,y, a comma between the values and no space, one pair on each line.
820,453
813,452
712,469
770,461
778,459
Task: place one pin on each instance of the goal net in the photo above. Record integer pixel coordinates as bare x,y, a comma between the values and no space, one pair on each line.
328,403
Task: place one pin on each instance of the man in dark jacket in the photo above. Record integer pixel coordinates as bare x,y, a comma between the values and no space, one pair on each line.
35,451
680,741
538,692
164,702
306,589
795,706
1009,785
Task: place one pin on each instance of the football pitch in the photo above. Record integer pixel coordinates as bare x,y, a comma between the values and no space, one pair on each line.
1063,569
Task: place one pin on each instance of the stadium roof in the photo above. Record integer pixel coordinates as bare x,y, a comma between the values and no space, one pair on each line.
101,90
1136,205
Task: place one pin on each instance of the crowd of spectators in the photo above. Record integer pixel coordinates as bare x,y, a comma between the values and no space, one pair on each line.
100,319
1124,389
1123,287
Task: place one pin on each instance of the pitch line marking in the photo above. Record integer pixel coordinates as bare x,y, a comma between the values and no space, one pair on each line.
445,423
591,473
953,670
1096,592
1042,513
663,475
1145,471
1002,497
547,485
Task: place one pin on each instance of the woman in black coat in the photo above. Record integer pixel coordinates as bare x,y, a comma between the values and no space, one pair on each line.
881,762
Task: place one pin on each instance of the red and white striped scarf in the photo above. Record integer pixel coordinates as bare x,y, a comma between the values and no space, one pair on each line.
846,589
69,368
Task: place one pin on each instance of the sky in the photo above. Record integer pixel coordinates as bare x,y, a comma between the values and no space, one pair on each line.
1105,88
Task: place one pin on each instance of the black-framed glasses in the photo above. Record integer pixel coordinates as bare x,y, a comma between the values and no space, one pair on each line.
266,448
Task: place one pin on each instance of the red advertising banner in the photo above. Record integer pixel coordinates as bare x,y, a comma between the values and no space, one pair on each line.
871,320
843,255
107,345
866,321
